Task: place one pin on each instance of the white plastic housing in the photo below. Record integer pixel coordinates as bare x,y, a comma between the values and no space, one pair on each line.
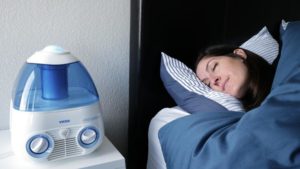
52,55
54,135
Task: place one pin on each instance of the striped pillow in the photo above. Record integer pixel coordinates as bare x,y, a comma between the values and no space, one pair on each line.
263,44
185,88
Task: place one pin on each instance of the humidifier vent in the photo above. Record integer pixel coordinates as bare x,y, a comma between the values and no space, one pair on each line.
65,148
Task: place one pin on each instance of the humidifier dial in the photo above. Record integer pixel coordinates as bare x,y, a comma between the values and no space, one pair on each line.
40,145
88,137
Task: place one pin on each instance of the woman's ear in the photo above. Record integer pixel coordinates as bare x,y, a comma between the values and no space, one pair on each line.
241,53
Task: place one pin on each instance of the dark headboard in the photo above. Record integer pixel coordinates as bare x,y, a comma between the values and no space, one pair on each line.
181,28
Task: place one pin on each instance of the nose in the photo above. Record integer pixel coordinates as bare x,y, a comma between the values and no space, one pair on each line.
215,80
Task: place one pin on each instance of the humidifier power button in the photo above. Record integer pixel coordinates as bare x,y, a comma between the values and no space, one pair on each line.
64,133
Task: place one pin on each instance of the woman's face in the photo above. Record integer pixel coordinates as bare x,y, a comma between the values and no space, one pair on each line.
224,74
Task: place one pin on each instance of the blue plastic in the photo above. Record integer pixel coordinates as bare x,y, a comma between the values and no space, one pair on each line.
54,81
52,87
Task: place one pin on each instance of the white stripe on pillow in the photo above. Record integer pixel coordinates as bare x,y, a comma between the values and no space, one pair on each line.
263,44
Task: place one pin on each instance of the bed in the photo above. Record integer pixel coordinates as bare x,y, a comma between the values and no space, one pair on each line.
180,29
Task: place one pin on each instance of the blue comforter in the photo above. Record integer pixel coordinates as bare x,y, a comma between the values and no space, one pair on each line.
267,137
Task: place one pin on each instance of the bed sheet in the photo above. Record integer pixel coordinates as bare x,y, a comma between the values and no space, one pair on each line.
155,157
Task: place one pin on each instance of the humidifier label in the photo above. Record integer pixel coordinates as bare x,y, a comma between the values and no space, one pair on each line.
64,121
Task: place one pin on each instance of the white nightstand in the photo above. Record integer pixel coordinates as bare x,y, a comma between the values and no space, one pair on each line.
105,157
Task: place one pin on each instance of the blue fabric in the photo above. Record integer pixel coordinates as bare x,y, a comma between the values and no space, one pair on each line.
288,65
188,101
267,137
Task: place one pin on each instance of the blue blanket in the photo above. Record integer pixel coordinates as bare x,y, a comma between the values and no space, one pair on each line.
267,137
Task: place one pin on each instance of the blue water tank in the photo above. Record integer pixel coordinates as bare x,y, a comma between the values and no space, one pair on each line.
53,79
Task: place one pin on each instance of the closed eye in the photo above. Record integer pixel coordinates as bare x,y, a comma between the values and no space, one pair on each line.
214,67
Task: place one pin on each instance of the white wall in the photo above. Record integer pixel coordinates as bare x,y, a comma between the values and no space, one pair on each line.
96,31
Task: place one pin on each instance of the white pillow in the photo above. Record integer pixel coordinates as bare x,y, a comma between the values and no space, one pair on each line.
263,44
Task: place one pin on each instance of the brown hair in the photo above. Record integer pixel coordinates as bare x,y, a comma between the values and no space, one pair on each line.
260,72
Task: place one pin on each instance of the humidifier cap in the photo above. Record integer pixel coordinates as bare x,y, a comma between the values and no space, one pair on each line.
52,55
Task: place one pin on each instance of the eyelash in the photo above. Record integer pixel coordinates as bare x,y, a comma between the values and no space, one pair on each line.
213,69
215,65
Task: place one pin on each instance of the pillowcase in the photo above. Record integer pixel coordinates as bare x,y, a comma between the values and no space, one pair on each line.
263,44
189,92
194,96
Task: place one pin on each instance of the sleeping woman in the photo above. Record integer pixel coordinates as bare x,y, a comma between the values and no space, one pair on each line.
237,72
224,68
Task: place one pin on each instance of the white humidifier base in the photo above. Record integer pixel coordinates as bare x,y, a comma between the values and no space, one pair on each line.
55,135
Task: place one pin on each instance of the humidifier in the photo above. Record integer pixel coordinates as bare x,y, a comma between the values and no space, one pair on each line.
55,108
